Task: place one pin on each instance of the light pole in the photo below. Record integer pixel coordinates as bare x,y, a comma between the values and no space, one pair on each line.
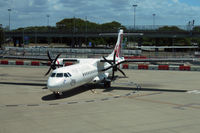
48,19
48,27
9,10
86,30
154,20
134,6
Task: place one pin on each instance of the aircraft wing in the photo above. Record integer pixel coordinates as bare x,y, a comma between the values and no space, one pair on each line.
161,60
38,58
156,60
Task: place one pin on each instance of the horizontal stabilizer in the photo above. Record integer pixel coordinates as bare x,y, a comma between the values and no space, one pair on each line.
125,34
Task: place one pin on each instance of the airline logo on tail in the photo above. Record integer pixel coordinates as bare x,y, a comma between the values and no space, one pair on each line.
118,47
119,44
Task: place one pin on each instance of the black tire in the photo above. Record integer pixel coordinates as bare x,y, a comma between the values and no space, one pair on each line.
57,95
107,84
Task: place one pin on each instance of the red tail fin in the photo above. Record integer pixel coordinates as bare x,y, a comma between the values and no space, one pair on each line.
118,45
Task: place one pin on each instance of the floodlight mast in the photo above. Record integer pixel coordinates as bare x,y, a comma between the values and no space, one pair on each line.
48,19
9,10
154,15
134,6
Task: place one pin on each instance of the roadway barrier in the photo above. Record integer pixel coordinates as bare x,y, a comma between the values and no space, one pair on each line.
29,63
19,62
35,63
153,67
135,57
4,62
174,68
163,67
195,68
143,66
184,68
124,66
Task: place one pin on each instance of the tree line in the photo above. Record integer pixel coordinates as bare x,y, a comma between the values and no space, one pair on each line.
77,25
1,36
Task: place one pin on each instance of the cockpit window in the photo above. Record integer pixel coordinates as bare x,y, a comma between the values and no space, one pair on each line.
66,75
53,74
69,74
59,75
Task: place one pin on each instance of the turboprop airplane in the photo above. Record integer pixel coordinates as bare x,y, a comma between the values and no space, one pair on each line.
91,70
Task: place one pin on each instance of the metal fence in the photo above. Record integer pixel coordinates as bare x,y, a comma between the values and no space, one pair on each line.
66,52
88,53
156,27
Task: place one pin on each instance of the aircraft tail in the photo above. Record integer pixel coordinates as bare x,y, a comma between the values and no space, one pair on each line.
118,45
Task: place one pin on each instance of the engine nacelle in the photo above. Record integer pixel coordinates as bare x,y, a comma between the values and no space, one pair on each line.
96,80
59,62
100,78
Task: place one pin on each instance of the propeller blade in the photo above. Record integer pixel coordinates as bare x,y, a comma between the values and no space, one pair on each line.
58,65
48,71
113,66
114,57
48,54
113,74
107,68
53,66
108,61
54,62
44,63
121,72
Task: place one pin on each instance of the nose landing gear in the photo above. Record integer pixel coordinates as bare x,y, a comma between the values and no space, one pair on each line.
57,94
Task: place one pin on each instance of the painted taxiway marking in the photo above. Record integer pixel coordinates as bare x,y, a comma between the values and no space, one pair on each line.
194,92
111,97
176,105
73,102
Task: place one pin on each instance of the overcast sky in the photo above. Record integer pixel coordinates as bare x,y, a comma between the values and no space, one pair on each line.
34,12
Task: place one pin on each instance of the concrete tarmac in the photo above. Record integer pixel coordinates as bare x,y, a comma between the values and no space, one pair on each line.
167,102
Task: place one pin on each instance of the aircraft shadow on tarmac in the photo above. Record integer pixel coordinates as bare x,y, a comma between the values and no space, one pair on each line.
83,89
67,94
143,89
25,84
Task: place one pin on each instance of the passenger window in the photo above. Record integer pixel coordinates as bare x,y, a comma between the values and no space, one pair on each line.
59,75
66,75
53,74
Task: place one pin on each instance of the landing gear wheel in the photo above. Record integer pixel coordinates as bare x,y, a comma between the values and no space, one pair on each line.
107,84
57,95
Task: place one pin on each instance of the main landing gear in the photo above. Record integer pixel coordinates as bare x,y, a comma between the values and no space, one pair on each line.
107,84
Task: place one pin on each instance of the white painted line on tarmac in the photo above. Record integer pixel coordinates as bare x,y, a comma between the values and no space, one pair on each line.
194,92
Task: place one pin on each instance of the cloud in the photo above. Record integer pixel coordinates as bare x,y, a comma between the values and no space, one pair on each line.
175,1
33,12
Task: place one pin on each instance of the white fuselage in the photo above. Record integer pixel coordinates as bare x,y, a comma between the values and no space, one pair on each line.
66,78
86,71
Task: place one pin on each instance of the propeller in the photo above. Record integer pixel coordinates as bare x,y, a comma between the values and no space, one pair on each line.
53,62
113,66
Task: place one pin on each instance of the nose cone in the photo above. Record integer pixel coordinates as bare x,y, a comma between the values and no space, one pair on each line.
54,84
